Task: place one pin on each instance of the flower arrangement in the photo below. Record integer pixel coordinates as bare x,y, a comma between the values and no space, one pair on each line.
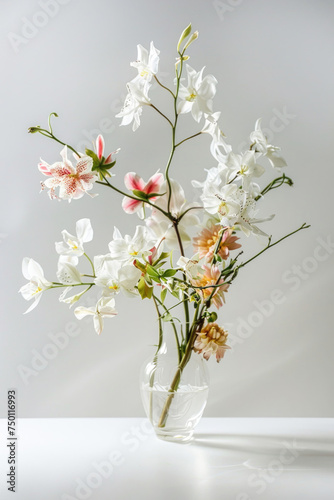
144,265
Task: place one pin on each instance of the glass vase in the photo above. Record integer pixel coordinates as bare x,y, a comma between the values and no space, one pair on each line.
174,393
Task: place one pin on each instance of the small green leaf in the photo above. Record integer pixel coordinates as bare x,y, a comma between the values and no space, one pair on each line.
140,194
167,317
169,273
154,195
144,289
164,255
109,165
96,161
151,271
163,295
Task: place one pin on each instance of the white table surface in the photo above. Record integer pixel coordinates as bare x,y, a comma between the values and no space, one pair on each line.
230,459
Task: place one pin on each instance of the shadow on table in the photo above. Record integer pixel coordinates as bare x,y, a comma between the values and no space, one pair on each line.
310,453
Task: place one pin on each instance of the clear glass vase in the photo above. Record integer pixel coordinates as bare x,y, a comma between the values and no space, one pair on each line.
174,413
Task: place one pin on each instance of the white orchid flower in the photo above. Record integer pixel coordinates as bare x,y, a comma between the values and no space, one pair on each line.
221,198
244,167
147,62
68,274
259,141
128,249
161,227
218,147
190,266
136,98
197,96
211,126
72,246
33,272
73,299
105,308
247,220
115,276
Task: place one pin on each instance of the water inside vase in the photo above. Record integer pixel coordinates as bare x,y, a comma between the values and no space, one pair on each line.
185,410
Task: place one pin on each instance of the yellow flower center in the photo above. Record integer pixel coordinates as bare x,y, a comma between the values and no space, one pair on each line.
243,169
73,245
134,253
114,286
38,289
191,97
144,73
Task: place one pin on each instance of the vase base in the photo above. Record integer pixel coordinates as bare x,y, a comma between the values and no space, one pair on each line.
175,436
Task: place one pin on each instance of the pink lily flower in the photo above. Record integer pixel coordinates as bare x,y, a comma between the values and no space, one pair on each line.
135,183
99,149
73,182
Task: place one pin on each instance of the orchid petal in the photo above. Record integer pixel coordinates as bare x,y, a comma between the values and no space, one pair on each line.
84,230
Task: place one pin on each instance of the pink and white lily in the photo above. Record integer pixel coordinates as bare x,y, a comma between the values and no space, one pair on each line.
73,182
135,183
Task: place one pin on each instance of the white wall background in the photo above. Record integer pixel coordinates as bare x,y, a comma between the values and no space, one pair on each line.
267,56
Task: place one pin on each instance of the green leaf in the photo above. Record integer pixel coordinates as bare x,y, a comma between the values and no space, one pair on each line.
164,255
151,271
109,165
169,273
154,195
145,290
167,317
140,194
163,295
96,161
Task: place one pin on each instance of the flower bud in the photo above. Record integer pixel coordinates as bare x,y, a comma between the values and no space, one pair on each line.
193,37
34,130
186,32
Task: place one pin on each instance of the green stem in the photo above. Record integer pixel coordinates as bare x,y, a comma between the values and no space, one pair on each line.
50,135
275,184
187,139
197,324
270,245
160,113
107,183
60,285
188,210
185,302
163,86
173,325
160,323
91,263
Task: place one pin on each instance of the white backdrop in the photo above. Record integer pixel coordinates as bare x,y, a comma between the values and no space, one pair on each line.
272,59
